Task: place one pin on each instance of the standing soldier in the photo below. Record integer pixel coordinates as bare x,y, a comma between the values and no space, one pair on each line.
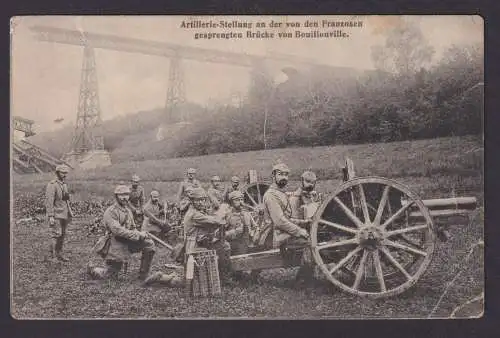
304,197
235,186
216,192
59,212
122,239
155,220
189,183
286,234
137,201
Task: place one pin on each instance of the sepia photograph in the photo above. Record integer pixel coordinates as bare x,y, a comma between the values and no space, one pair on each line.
247,167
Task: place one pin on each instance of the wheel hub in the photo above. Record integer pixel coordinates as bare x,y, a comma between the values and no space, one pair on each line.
370,237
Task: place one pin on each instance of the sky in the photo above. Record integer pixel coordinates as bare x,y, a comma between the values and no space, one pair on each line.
45,76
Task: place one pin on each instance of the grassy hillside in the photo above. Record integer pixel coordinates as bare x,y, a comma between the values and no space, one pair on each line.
426,165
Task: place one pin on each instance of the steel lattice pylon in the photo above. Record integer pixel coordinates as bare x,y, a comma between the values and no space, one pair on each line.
89,111
176,96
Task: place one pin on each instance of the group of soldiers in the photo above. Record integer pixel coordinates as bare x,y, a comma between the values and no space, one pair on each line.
215,219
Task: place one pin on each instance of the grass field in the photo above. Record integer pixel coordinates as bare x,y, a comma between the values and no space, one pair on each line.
432,168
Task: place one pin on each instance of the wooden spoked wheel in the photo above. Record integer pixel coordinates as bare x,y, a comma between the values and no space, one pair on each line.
364,241
253,198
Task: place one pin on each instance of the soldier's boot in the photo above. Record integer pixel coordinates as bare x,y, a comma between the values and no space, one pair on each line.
111,270
146,260
305,276
58,247
170,279
52,257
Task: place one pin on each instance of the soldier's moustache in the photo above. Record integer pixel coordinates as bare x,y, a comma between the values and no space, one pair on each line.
281,183
308,188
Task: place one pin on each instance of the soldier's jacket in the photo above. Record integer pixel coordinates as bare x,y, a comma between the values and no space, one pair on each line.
153,216
216,197
238,226
298,199
198,224
277,212
57,200
137,197
119,223
185,186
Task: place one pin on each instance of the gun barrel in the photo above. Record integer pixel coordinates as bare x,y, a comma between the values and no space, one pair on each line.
453,206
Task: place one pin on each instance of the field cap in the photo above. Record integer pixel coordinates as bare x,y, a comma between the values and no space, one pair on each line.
197,193
309,175
281,167
215,178
155,194
235,194
122,189
235,179
62,168
135,178
191,171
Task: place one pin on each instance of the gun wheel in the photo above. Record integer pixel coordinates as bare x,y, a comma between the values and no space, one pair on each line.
366,241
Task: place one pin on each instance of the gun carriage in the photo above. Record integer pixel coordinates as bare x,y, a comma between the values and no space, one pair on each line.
371,237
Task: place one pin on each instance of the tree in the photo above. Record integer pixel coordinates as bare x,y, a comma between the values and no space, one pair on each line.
405,50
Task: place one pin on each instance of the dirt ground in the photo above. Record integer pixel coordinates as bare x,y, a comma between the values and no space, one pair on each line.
62,290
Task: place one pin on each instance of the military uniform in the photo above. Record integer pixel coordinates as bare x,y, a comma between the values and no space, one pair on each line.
237,231
298,200
120,242
137,201
182,194
216,197
285,234
153,223
199,229
57,206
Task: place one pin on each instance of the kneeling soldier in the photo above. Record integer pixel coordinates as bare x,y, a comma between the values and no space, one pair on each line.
121,240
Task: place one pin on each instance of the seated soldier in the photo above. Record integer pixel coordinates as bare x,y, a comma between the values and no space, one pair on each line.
239,223
155,220
121,240
285,233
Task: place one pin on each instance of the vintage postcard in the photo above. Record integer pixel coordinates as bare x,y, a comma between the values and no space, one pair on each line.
258,167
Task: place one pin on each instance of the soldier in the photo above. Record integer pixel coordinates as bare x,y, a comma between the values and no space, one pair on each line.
137,201
235,185
239,223
189,183
155,220
200,230
303,197
59,212
122,239
216,192
286,234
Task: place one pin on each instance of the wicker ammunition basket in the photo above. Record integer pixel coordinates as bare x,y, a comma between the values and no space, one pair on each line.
205,280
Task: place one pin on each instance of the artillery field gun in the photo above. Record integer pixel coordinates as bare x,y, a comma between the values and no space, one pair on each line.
372,237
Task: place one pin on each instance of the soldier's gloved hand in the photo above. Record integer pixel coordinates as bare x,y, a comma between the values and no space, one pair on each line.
52,221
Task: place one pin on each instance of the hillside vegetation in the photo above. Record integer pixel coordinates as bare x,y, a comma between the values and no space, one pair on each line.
405,98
